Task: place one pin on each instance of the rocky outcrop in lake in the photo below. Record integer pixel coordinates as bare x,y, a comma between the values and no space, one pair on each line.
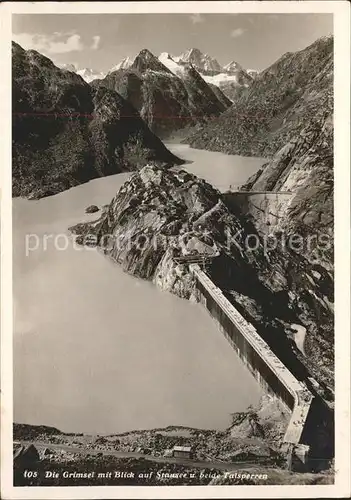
65,132
160,216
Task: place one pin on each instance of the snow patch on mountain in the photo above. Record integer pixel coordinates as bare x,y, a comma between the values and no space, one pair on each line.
124,64
252,72
220,79
167,60
233,67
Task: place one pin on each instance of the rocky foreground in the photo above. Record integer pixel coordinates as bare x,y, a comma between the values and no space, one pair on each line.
246,453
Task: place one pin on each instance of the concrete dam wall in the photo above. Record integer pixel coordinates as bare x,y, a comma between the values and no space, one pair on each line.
265,208
269,371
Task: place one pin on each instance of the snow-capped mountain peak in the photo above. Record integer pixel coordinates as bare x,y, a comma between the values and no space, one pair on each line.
89,74
169,61
124,64
165,55
68,67
202,62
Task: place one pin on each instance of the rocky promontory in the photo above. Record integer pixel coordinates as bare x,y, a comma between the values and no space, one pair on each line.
159,216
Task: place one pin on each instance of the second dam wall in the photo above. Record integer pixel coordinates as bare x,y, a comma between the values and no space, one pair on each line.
265,208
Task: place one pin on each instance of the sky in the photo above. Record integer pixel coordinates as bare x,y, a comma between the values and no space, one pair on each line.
100,41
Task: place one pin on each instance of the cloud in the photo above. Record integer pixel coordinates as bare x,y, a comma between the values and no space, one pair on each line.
237,32
96,42
196,18
57,43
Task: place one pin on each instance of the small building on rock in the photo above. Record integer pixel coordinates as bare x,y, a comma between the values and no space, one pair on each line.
182,452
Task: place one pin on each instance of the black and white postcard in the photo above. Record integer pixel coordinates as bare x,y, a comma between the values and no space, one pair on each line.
175,249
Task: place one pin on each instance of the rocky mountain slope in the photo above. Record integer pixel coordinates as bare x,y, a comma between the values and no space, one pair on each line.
160,215
66,132
287,116
304,166
277,106
303,160
166,100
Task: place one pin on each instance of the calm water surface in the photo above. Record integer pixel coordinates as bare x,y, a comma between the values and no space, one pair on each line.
96,350
221,170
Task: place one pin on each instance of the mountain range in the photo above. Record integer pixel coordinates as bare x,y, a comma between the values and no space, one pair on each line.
168,95
229,78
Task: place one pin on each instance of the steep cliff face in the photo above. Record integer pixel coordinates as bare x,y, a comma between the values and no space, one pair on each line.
287,116
160,216
167,101
280,102
304,166
66,133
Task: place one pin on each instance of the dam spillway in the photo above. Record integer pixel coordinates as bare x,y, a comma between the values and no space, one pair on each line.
266,367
